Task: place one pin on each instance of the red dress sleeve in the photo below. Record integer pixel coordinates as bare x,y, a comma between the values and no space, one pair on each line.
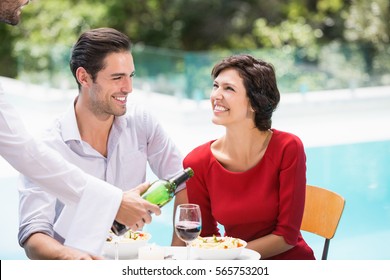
292,186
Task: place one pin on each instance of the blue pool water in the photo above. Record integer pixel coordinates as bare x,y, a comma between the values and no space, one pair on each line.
360,173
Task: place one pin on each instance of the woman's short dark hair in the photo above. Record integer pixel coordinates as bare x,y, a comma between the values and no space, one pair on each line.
92,48
260,84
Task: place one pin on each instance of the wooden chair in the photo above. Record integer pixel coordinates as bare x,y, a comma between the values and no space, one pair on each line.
323,210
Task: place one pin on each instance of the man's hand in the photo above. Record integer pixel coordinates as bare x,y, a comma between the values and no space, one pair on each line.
40,246
74,254
135,211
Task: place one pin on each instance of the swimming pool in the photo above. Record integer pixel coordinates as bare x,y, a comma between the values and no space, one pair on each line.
360,173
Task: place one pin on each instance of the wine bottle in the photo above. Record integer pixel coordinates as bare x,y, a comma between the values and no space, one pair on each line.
160,193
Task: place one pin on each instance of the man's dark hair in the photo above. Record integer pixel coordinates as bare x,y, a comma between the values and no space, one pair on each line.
92,48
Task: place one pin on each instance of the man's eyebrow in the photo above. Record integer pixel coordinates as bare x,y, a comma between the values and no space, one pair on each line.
132,74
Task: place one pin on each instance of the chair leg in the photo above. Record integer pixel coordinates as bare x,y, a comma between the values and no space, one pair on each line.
326,248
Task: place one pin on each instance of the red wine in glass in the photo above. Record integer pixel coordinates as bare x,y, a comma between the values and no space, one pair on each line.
187,230
188,223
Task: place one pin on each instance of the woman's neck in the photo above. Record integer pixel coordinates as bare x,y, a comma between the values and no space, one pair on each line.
241,149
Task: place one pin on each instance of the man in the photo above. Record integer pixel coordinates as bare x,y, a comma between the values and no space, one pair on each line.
86,197
102,134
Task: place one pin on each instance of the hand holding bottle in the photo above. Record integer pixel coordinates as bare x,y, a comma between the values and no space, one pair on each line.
135,211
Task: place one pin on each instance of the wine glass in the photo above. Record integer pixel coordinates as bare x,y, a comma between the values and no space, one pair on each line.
188,223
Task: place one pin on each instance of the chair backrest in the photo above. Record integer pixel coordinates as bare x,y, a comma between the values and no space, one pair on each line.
323,210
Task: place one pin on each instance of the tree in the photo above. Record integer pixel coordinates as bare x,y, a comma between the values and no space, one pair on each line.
300,27
8,61
47,32
367,23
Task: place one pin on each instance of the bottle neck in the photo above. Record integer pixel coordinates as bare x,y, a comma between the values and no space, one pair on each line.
179,179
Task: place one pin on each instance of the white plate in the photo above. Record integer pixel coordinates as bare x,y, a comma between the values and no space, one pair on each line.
180,253
248,254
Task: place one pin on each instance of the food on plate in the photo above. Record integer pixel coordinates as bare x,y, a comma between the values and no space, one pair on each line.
129,236
218,248
125,246
215,242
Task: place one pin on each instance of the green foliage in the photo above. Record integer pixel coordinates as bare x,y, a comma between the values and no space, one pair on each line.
8,63
47,32
177,34
373,26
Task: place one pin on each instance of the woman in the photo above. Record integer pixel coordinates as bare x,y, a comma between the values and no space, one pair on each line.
251,180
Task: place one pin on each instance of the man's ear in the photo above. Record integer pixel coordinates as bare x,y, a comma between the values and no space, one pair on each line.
83,77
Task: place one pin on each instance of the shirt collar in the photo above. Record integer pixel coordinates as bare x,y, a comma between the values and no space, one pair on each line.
68,122
70,130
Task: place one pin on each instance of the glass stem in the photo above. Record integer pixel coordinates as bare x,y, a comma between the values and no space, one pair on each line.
116,251
188,250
